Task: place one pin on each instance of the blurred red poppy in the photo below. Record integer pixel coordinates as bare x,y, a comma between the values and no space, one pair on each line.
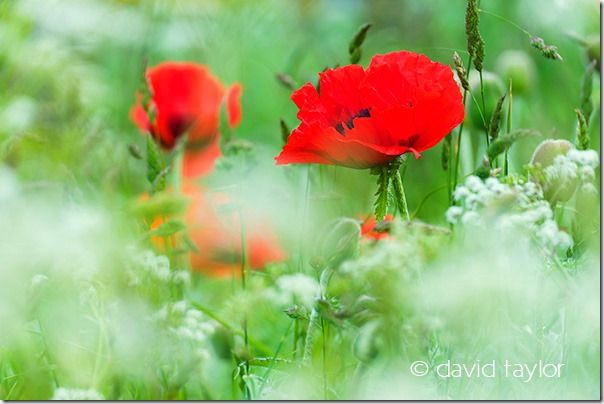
214,226
373,230
403,102
186,99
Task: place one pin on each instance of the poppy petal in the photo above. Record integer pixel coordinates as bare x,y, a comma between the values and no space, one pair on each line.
138,115
234,105
200,161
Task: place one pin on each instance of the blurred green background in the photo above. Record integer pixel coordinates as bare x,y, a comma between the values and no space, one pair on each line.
69,70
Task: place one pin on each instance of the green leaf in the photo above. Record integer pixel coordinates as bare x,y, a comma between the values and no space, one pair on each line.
587,106
496,119
284,130
190,244
155,165
162,203
168,228
381,200
355,56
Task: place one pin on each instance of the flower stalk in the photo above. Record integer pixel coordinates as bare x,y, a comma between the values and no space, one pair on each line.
399,193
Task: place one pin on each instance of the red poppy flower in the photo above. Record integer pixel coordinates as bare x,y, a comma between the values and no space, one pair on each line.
186,99
372,230
215,228
359,118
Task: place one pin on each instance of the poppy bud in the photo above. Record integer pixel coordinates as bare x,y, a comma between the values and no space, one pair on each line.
297,312
548,150
544,157
516,66
493,88
222,341
317,263
368,342
340,241
593,50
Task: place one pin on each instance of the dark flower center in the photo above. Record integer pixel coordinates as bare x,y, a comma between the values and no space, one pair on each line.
364,113
178,125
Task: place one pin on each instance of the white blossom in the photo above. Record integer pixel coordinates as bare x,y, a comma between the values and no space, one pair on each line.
529,210
299,287
67,394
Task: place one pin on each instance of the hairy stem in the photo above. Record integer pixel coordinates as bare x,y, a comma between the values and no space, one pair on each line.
399,192
313,325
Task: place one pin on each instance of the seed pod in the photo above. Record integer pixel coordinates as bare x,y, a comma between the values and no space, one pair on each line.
135,151
462,75
583,140
286,80
475,41
548,51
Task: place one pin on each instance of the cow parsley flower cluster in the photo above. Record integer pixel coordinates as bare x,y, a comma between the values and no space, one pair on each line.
298,287
67,394
188,325
156,267
519,205
576,166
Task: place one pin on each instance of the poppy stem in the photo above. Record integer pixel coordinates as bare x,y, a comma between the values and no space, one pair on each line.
399,192
246,366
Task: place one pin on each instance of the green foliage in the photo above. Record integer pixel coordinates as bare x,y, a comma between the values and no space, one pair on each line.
156,166
354,48
382,196
168,228
505,141
495,123
586,104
